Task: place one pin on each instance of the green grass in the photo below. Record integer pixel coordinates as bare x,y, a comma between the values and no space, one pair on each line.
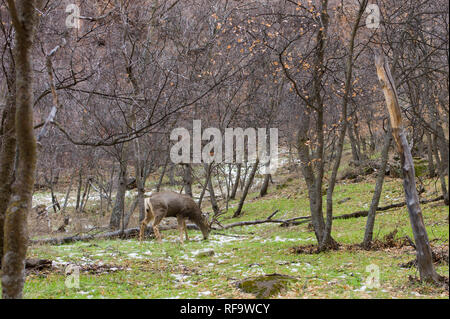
169,270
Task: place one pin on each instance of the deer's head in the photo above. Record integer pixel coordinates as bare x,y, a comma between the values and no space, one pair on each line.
205,225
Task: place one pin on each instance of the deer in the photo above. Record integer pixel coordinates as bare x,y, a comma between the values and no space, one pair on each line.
171,204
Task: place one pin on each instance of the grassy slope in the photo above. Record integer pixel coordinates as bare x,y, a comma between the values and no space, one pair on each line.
168,270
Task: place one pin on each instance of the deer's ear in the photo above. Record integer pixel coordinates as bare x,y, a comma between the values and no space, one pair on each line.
205,217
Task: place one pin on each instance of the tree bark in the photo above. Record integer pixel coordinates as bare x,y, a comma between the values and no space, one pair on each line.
187,179
80,186
238,211
265,185
443,149
119,205
126,220
431,170
171,174
327,240
440,169
212,195
16,232
7,156
66,199
424,254
158,186
236,181
368,235
244,178
202,194
355,151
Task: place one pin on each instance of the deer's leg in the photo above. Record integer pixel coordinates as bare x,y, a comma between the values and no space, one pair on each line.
181,227
143,227
158,218
185,229
148,218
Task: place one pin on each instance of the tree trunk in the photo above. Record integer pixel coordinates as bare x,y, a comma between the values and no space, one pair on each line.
368,235
119,205
171,174
158,186
66,199
212,195
372,143
431,169
238,211
355,152
443,149
16,232
267,176
244,178
127,217
327,241
265,185
202,194
142,168
187,179
441,173
55,203
424,254
7,156
236,181
80,186
318,162
87,189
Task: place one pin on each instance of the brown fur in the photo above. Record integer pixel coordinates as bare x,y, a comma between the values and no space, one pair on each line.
170,204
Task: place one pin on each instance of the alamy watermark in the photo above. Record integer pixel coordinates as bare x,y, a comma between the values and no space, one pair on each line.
373,19
73,19
72,276
215,150
373,280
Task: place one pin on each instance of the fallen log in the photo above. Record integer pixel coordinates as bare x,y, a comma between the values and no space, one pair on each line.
36,264
130,232
261,221
364,213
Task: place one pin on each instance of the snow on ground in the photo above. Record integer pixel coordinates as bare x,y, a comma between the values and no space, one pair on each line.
45,198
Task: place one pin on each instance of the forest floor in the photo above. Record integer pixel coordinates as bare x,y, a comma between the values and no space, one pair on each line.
127,268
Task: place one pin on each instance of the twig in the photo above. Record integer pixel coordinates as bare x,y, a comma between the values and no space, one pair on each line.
273,214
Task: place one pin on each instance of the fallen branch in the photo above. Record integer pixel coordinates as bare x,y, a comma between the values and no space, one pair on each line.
267,220
273,214
130,232
364,213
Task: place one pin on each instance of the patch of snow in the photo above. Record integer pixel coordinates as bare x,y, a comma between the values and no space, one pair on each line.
135,255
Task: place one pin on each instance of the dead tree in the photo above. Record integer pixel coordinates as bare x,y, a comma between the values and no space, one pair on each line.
424,254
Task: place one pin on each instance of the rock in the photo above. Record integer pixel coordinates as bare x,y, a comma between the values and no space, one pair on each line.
205,253
346,199
355,171
420,168
265,286
36,264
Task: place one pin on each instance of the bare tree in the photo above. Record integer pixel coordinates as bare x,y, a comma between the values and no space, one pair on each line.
424,254
24,17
